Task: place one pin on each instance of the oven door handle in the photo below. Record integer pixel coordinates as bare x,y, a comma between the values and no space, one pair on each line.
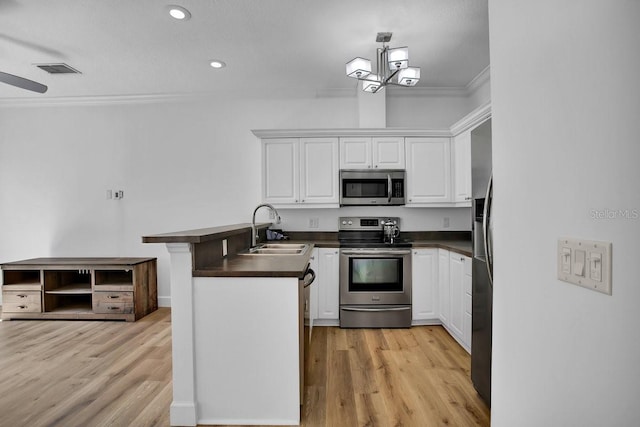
389,252
376,309
389,192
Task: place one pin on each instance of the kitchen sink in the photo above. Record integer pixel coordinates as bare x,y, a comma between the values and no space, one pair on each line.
278,249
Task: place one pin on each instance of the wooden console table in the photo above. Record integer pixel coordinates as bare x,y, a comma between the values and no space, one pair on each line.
79,288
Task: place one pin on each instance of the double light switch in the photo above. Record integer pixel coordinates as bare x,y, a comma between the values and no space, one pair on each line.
585,263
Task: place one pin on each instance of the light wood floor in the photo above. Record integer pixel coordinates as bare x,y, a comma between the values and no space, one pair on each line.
91,373
86,373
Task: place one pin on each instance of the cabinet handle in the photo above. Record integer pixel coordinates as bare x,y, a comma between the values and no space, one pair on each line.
113,296
22,307
302,201
296,200
467,198
21,296
114,308
462,259
375,166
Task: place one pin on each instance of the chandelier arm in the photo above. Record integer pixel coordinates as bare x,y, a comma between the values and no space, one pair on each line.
388,79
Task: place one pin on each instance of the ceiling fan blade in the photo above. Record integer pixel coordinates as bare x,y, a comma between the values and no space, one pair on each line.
22,83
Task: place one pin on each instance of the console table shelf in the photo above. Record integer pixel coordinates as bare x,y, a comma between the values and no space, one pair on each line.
79,288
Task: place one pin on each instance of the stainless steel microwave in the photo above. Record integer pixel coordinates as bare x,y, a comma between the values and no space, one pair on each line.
372,187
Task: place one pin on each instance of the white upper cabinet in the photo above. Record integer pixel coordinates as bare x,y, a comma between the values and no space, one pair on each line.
372,153
355,153
428,171
319,170
461,163
388,153
300,171
280,171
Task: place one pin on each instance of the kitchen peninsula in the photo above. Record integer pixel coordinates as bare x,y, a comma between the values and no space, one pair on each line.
236,328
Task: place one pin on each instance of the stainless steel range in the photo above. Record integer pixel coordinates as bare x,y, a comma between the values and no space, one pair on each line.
375,274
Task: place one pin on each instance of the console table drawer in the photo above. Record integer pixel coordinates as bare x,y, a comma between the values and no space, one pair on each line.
21,302
113,302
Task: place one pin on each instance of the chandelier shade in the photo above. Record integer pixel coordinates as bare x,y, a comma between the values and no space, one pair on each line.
358,68
398,58
409,76
392,67
371,85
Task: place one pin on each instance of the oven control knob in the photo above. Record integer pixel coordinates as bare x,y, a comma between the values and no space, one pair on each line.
350,222
344,222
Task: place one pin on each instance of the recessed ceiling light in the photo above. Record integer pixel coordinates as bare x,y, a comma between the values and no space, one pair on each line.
179,12
216,63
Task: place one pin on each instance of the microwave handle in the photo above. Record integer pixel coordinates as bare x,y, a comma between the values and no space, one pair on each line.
389,192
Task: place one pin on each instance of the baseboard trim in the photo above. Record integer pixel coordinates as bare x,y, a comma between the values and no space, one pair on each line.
164,301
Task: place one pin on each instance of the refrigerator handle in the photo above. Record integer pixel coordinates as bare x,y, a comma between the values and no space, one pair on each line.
485,230
389,191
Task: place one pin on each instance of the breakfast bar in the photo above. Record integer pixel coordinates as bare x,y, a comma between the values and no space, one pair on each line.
236,327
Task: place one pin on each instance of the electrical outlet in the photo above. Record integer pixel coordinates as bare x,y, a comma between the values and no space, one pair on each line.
224,247
314,222
272,214
109,194
445,222
118,194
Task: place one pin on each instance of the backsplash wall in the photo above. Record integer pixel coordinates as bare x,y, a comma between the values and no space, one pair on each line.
411,219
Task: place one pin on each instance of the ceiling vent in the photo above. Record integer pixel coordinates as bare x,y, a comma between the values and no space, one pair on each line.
57,68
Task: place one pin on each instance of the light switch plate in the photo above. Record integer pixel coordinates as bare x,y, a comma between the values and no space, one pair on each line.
585,263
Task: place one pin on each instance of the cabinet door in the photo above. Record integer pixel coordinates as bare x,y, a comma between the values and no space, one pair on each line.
456,287
428,170
443,283
319,170
388,152
424,265
461,156
311,293
328,290
467,302
280,170
355,153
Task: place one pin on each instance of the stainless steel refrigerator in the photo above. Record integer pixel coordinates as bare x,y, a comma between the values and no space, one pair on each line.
482,285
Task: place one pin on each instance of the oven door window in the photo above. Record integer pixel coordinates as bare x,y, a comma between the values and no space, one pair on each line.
356,188
375,275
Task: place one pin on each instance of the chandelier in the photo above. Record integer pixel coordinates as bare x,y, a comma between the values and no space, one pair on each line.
392,67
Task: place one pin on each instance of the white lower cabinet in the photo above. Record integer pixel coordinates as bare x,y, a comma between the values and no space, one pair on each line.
466,321
424,266
454,283
327,286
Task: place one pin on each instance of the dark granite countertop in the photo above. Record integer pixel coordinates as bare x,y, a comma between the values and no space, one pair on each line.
290,265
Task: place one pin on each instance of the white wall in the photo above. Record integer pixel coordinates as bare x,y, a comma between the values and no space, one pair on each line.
565,102
182,163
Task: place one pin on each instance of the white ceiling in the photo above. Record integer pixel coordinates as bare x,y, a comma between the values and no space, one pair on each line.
133,47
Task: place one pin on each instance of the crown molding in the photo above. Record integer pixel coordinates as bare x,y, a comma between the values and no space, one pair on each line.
98,100
345,132
482,78
472,119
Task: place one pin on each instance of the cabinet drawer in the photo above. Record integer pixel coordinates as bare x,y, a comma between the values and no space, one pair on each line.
21,302
113,302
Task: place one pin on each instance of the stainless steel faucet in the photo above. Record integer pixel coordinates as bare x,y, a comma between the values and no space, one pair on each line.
254,232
